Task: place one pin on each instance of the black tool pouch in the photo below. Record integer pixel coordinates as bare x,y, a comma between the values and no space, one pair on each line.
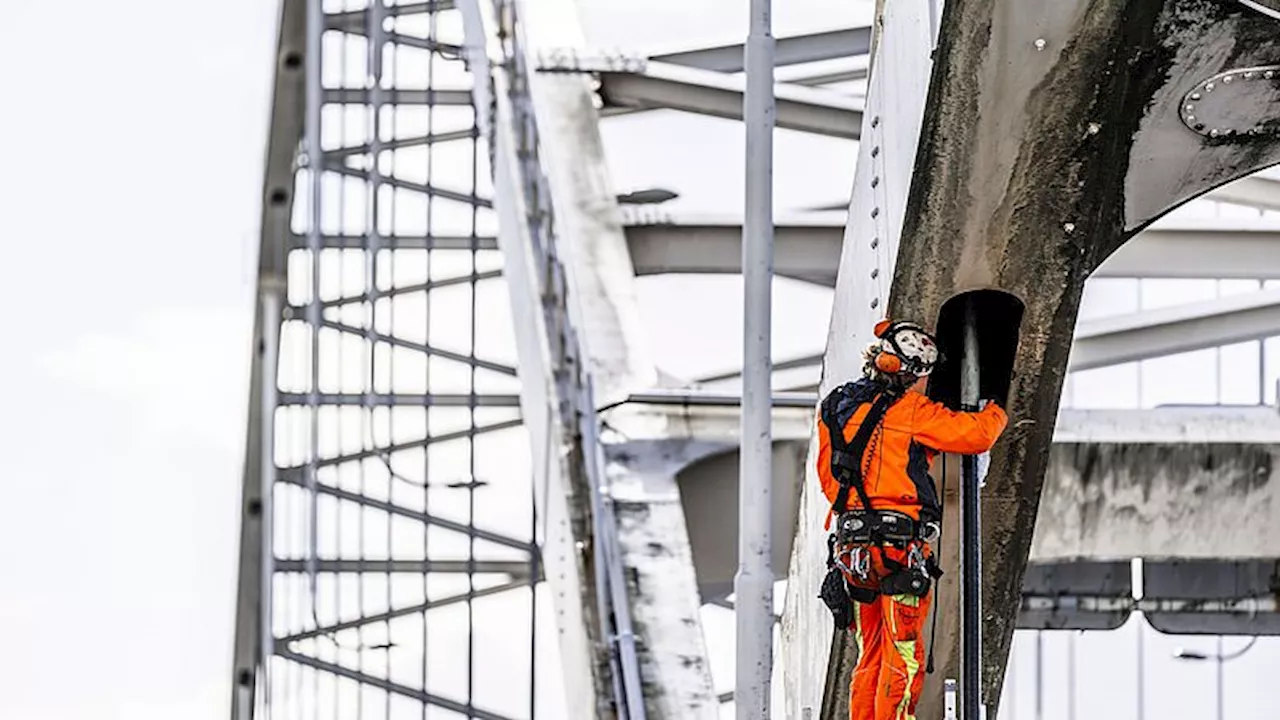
906,582
835,595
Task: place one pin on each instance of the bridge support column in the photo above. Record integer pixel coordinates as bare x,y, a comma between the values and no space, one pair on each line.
1056,132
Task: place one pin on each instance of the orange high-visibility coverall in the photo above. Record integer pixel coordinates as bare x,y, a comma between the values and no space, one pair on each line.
890,631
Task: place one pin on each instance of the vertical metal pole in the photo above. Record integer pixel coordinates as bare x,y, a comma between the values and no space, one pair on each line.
1039,675
949,699
271,302
315,164
1219,660
971,537
1142,673
753,585
1071,676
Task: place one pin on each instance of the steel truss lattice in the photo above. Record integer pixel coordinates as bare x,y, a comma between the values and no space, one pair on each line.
384,406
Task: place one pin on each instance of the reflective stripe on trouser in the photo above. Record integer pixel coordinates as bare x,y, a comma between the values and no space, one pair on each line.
890,672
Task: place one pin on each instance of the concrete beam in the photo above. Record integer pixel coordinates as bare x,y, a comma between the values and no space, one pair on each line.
1182,328
1171,425
795,50
707,92
1156,483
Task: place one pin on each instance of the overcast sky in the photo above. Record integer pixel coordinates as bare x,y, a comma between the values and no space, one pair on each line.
134,136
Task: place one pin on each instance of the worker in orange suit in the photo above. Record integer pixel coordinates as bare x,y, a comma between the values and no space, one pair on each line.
875,473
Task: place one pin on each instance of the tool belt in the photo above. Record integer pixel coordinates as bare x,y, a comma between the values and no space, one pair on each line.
880,527
854,581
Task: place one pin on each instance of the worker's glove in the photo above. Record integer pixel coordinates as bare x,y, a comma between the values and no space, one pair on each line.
984,463
835,595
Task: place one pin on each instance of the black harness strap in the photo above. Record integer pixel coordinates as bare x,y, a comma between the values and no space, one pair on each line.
846,458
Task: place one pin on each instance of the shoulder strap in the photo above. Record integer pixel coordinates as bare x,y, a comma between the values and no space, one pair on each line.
846,458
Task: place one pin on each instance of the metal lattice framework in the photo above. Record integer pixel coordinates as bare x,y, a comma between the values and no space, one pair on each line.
390,538
389,422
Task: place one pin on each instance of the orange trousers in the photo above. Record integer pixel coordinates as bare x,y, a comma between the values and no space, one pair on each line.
891,654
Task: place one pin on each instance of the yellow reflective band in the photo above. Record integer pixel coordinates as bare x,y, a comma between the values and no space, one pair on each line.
857,632
907,650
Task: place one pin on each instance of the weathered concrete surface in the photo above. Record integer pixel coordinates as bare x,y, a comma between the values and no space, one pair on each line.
658,564
1164,483
1053,136
655,454
1189,500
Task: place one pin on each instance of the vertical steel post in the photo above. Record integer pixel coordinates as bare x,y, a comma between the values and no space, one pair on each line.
753,584
1218,660
315,164
1141,669
971,536
1039,675
1071,676
271,301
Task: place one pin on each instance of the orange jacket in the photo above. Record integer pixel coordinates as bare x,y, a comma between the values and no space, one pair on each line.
895,468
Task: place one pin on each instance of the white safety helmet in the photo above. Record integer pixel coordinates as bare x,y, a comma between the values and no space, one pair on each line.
905,347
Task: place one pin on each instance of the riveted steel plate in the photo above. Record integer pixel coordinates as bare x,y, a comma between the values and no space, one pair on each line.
1237,103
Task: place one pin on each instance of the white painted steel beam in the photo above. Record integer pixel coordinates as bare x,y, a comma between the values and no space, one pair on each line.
648,559
808,248
1168,331
1260,190
1217,248
1182,328
794,50
787,50
826,71
805,248
707,92
560,501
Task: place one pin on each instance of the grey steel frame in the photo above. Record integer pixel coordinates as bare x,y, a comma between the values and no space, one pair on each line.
266,647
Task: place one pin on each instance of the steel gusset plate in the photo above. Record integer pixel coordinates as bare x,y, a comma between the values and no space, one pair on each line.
1239,103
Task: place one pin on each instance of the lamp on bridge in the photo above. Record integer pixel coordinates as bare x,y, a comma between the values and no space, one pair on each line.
1219,658
647,196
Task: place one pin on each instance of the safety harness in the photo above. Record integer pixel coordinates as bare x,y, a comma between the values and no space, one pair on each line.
860,529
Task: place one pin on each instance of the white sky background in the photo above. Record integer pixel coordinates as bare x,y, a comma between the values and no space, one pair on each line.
134,140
